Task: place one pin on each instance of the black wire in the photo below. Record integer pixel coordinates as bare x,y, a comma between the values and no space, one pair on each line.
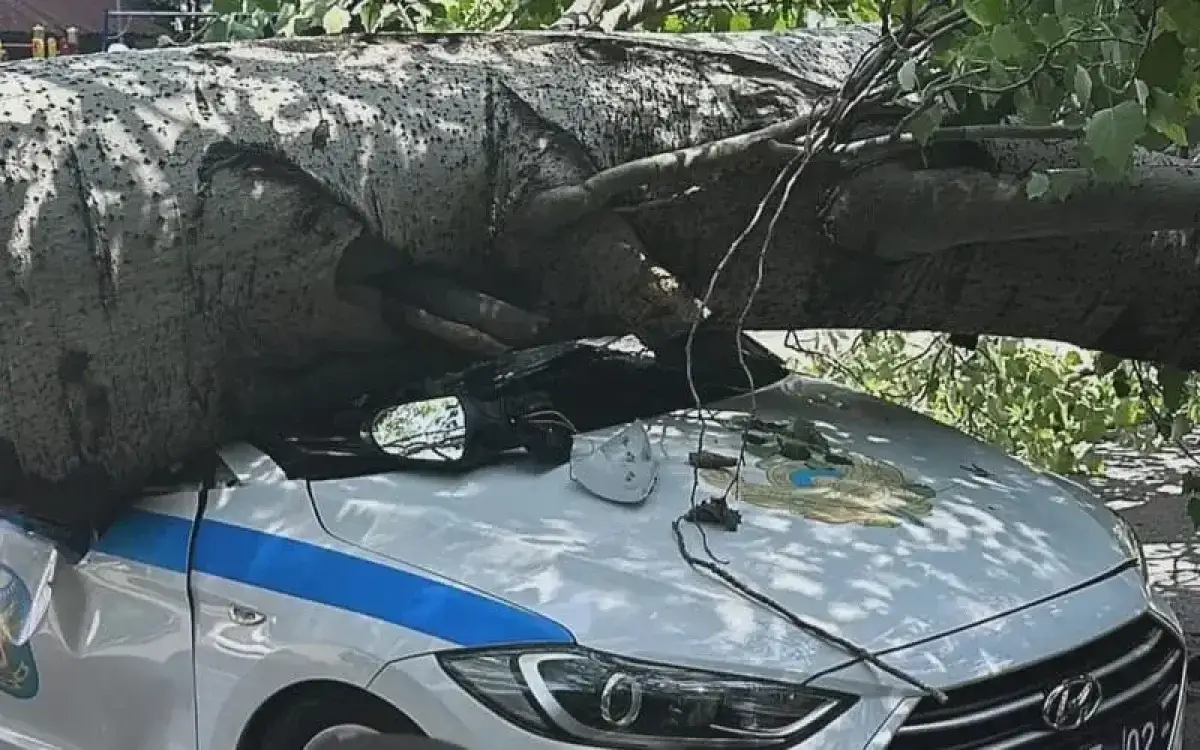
803,625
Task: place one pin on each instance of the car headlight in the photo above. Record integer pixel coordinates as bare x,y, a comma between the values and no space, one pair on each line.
1131,542
585,697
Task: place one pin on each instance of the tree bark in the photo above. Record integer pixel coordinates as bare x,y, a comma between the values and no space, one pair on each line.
200,236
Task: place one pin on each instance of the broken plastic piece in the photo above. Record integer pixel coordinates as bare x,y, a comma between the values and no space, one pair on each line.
620,469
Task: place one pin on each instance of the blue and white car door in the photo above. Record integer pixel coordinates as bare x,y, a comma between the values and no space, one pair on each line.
279,602
110,665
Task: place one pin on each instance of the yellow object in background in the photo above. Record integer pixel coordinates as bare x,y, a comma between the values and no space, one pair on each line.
51,46
37,41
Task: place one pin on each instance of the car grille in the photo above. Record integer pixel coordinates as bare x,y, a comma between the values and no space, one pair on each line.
1137,664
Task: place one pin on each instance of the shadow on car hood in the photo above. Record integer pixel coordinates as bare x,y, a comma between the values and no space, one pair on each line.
914,530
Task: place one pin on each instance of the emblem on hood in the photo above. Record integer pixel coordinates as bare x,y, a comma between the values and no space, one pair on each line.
800,473
1072,703
18,670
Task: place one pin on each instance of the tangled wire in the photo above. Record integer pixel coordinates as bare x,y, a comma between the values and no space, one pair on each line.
823,131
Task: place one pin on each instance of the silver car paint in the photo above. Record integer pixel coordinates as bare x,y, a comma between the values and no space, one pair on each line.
114,658
113,654
990,545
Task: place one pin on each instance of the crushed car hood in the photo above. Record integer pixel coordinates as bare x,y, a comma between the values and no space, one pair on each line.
910,530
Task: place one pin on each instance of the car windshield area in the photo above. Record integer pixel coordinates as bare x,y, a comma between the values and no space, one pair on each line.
593,383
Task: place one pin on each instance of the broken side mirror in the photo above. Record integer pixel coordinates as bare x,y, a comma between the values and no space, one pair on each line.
430,431
28,563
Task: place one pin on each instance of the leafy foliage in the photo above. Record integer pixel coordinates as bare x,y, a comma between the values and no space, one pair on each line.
244,19
1050,405
1124,73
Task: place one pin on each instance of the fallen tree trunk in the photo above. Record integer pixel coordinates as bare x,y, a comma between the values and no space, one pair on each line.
198,236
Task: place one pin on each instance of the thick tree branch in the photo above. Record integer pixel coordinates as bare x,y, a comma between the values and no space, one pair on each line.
896,213
454,303
558,207
954,134
462,337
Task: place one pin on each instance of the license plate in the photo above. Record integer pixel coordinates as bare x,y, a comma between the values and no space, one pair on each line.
1142,730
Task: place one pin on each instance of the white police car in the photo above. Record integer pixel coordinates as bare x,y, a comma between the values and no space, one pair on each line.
919,590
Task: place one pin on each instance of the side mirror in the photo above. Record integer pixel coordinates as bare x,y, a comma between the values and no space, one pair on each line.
28,563
432,431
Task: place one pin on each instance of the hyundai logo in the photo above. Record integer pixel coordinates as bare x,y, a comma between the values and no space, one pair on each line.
1072,703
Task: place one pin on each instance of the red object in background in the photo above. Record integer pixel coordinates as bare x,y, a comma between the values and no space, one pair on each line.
70,42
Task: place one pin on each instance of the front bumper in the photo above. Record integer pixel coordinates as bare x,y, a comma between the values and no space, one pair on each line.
420,688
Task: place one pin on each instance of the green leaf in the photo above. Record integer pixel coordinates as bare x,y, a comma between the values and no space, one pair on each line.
1005,43
217,31
1074,14
740,22
1162,62
1172,381
1106,363
923,125
1038,186
243,32
1111,133
907,75
335,20
1083,85
1048,30
1121,385
1127,412
225,7
1167,116
986,13
368,15
1182,16
1064,182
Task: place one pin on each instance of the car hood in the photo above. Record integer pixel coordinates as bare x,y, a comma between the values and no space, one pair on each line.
926,530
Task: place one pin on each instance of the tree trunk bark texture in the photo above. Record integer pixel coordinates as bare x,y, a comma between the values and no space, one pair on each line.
197,236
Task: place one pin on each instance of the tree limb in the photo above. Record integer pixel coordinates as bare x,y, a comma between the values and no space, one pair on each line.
959,133
454,303
557,207
462,337
896,213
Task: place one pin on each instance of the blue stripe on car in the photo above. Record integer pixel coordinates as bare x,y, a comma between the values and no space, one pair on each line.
325,576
